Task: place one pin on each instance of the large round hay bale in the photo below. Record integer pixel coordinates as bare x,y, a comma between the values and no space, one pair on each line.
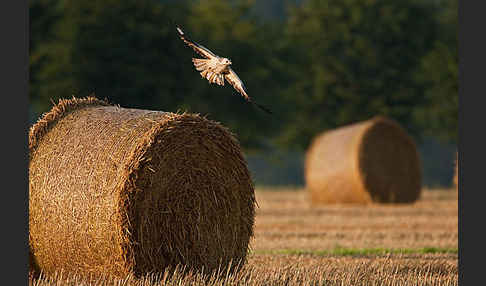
114,191
369,161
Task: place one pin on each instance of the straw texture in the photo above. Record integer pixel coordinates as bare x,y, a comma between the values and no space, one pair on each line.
115,191
366,162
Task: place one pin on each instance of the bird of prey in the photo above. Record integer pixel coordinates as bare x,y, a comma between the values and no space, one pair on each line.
216,69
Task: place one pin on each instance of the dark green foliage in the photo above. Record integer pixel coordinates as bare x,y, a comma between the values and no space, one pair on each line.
439,75
319,66
47,52
358,59
126,51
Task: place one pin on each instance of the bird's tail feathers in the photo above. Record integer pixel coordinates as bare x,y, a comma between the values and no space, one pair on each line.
200,64
220,80
212,77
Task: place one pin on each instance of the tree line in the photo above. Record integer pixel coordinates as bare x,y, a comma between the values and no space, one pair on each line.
324,64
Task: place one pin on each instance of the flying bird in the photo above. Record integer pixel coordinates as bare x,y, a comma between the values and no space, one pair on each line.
216,69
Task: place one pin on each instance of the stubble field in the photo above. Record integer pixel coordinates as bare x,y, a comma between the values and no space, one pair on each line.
299,244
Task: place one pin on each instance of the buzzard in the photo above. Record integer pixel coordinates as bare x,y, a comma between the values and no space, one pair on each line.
216,69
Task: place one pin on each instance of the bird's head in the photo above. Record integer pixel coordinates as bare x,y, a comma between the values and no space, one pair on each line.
226,61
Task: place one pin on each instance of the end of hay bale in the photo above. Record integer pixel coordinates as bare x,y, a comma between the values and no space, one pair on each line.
117,191
389,163
206,196
365,162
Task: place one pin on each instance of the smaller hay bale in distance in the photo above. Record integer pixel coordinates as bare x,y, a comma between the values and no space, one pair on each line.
370,161
117,191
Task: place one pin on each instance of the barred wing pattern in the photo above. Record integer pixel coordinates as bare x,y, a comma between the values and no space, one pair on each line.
236,82
201,50
202,66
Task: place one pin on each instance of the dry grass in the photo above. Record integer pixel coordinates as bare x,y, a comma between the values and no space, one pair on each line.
291,239
299,270
287,220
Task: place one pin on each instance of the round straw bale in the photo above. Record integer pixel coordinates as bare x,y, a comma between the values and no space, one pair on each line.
365,162
116,191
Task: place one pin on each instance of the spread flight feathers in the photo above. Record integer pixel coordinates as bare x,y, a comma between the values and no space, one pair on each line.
216,69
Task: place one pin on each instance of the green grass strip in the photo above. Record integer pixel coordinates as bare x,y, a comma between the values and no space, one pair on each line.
339,251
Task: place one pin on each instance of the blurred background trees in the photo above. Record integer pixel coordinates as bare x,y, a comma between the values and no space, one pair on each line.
438,73
318,64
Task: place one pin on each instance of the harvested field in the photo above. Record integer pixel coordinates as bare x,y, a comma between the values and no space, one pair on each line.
296,244
302,270
286,220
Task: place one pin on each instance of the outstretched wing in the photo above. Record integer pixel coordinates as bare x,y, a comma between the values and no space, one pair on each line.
236,82
205,52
